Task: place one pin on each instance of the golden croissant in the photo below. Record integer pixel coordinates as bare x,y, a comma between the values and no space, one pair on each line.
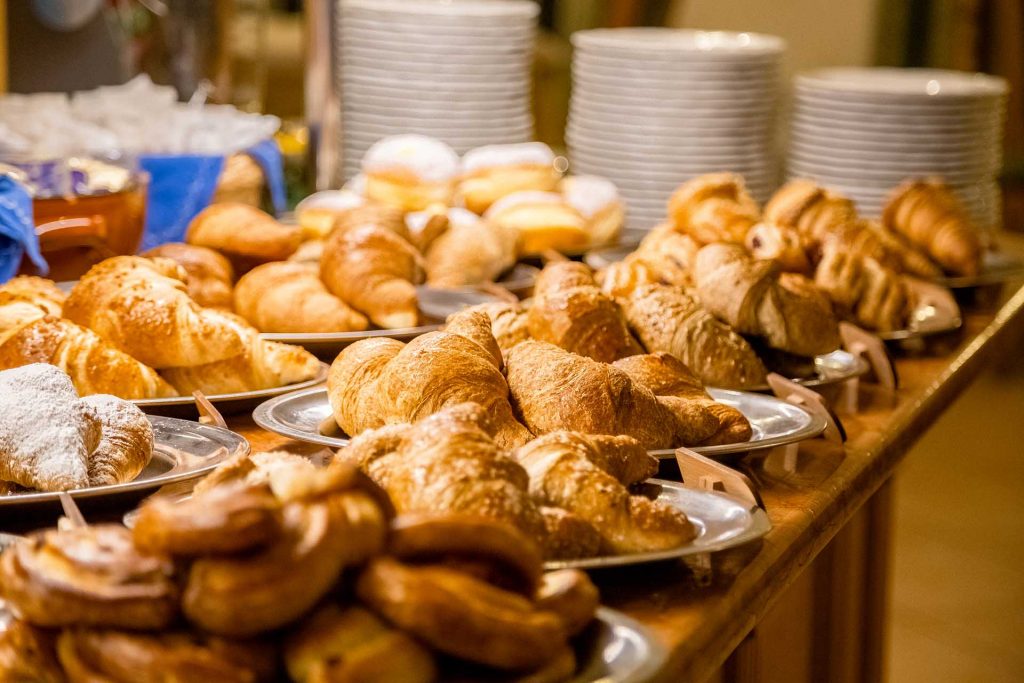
262,364
210,274
286,296
141,306
375,271
715,207
379,381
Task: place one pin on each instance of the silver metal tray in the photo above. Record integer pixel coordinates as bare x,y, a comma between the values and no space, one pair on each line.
628,240
996,267
435,305
925,321
617,649
182,451
228,404
722,522
829,369
775,422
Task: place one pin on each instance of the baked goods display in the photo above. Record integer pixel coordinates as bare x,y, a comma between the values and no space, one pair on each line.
307,578
52,440
530,387
131,329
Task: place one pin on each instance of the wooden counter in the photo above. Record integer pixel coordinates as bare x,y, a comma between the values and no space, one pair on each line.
704,615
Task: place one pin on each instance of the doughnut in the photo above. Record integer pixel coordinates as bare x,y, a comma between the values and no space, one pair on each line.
495,171
410,172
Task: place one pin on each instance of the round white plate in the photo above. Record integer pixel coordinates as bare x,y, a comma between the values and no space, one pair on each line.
908,84
661,42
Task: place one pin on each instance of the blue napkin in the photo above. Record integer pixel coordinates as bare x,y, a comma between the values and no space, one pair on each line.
182,185
17,230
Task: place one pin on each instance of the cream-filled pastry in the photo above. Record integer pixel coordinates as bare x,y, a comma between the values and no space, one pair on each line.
544,220
318,212
597,199
495,171
410,172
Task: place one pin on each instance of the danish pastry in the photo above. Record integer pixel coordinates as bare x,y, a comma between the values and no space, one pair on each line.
88,576
461,615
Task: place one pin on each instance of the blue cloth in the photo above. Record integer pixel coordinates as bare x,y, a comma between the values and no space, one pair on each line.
17,230
182,185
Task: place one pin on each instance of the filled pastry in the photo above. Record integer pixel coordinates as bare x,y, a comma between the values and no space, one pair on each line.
544,220
494,171
598,201
410,172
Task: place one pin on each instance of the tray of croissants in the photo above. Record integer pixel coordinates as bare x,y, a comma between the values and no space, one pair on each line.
889,276
100,448
305,576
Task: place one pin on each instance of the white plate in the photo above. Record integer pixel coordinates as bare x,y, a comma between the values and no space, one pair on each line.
887,83
906,140
667,41
774,422
468,11
838,149
182,451
607,62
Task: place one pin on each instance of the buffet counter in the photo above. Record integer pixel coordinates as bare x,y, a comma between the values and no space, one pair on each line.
829,506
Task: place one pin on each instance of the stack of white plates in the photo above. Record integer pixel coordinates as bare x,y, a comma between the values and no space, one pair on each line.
458,70
652,107
862,131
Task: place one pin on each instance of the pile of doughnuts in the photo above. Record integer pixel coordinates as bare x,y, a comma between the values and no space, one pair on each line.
308,578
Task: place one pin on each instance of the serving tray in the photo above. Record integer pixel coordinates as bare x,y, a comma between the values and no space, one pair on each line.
775,422
182,451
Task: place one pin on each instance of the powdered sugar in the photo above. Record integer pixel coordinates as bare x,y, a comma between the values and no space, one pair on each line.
588,194
46,434
491,156
429,158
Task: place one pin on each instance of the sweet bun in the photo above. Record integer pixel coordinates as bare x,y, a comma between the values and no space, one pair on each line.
318,212
410,172
224,519
461,615
434,537
92,655
495,171
92,576
353,644
598,200
544,220
571,595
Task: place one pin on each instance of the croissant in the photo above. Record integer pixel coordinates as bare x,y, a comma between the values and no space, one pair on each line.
571,312
900,254
126,442
210,275
779,243
509,323
37,290
669,254
809,208
588,476
27,654
140,306
677,387
322,212
46,434
94,365
670,320
788,311
448,463
243,233
554,390
928,214
290,297
374,270
15,313
715,207
862,289
261,365
375,382
471,251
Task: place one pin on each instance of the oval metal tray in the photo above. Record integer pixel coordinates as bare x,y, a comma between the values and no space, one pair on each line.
182,450
722,522
774,422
